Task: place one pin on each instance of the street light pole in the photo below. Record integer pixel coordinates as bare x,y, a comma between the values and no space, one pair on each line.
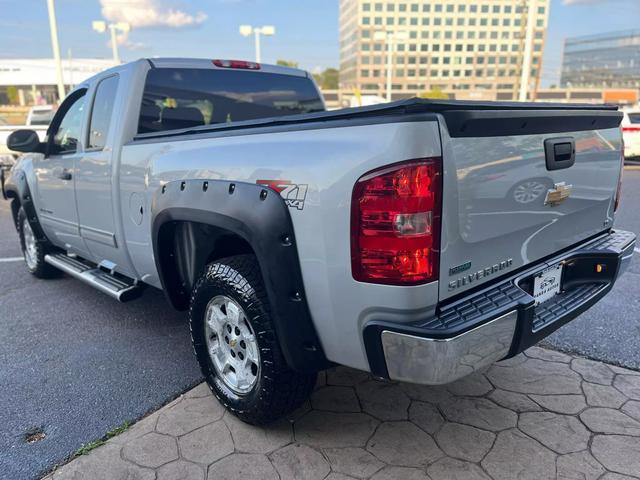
246,30
390,41
390,47
56,48
101,26
256,32
528,47
114,44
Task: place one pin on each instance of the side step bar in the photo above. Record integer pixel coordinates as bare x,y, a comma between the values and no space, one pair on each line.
115,287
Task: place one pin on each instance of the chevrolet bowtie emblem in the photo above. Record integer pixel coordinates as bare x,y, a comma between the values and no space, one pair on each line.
558,194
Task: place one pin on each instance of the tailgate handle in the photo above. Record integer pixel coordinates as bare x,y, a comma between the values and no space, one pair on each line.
560,152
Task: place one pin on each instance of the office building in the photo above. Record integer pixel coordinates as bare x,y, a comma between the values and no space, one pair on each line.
610,60
465,49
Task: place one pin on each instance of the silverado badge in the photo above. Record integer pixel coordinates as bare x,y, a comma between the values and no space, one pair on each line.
558,194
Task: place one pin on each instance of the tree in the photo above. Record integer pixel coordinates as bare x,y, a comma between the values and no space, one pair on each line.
434,93
328,79
12,95
287,63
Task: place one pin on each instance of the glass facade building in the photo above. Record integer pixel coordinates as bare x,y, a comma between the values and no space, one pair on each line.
610,60
448,45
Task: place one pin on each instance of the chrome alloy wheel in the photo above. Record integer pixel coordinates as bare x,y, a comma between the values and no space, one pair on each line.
232,345
30,248
528,192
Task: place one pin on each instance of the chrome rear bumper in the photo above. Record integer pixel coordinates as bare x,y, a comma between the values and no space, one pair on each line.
435,361
498,321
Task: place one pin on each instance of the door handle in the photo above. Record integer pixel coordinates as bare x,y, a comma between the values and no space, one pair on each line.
65,174
560,152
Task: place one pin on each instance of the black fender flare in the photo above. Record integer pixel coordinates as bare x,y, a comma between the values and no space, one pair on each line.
17,188
261,218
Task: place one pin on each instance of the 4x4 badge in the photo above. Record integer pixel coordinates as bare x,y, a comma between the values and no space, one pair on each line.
293,194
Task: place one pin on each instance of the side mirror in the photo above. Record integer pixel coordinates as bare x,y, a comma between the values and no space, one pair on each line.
25,141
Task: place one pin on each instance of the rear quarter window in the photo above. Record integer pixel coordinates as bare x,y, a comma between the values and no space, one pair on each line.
177,98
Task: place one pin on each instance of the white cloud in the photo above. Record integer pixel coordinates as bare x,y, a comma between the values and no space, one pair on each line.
149,13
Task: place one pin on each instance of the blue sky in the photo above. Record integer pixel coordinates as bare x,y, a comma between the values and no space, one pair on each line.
307,30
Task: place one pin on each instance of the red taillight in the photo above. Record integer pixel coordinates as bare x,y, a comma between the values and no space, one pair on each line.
242,64
395,224
630,129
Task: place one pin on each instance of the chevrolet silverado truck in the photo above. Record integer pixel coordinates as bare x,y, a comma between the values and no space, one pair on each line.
419,240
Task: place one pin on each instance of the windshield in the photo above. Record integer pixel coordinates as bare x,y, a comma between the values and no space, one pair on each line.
176,98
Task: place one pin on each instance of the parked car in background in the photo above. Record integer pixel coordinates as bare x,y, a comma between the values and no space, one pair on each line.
38,120
419,240
631,134
40,115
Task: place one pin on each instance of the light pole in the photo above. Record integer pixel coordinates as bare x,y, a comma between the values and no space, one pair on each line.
56,48
101,27
391,38
528,46
246,30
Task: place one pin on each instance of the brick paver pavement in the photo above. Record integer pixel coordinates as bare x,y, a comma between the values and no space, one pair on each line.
543,415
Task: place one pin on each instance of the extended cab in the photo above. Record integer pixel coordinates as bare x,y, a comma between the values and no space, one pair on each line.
418,240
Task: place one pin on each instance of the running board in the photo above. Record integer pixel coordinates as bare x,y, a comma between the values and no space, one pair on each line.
116,287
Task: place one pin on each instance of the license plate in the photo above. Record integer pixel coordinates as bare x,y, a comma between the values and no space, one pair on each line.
546,284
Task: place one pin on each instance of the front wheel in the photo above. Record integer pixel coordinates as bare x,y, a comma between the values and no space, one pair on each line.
33,250
236,346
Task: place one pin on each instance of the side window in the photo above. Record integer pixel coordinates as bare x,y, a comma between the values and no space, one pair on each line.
65,139
101,112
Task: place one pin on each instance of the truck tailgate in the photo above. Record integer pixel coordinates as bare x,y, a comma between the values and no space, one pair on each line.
505,205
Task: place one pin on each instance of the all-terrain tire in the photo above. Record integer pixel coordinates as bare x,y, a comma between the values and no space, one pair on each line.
278,389
35,260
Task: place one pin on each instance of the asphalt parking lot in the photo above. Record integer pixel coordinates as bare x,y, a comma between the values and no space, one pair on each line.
76,364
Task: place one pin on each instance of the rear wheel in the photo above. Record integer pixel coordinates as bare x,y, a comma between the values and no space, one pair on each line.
236,346
33,250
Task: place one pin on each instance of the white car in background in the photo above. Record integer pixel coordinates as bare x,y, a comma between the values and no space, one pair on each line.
40,115
631,134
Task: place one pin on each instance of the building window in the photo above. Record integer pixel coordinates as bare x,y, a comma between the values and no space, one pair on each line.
364,73
366,20
390,7
414,7
366,7
449,8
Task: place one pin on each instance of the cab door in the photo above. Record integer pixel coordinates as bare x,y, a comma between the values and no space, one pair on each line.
95,188
55,173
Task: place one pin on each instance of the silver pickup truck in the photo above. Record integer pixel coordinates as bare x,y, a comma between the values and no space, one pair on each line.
418,240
